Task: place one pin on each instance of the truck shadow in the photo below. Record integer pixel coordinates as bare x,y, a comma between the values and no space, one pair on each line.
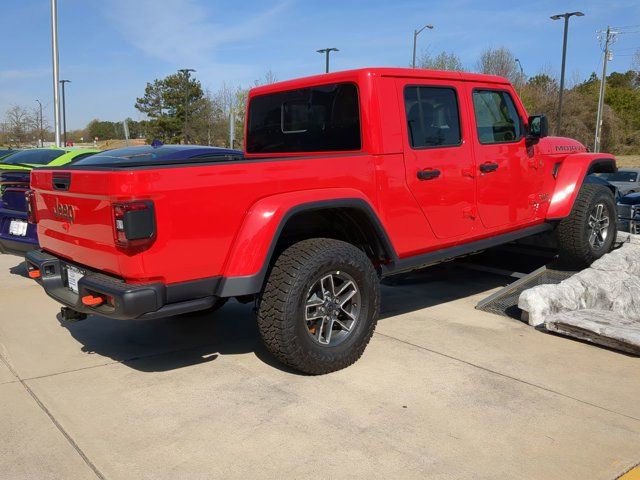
168,343
434,286
19,270
178,342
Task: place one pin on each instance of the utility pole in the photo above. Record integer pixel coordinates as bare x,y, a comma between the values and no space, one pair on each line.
327,51
56,73
40,125
125,130
64,112
610,37
187,74
415,41
232,124
566,17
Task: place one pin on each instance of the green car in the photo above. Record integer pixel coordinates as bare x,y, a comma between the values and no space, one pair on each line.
5,152
40,157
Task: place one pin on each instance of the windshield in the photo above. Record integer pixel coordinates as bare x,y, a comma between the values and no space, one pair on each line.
5,152
620,176
33,157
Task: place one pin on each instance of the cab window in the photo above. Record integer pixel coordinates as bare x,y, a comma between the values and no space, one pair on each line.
433,119
317,119
497,119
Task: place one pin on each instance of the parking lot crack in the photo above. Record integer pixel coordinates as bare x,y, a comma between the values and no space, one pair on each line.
55,422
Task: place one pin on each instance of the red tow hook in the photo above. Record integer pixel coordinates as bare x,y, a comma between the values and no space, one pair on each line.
34,274
91,301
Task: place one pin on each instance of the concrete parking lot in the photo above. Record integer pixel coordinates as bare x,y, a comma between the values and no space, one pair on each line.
443,391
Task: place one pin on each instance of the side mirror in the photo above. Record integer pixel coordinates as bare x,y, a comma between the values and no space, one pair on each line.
538,127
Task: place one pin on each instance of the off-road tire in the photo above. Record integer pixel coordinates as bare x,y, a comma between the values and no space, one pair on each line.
574,248
281,311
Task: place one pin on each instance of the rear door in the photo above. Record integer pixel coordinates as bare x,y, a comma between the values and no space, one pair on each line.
508,174
438,156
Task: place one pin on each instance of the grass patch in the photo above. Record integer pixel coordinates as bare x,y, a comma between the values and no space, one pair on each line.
628,161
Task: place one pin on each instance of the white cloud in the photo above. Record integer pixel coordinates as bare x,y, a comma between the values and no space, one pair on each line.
183,31
12,75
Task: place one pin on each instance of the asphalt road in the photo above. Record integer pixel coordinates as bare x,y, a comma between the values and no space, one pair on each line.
443,391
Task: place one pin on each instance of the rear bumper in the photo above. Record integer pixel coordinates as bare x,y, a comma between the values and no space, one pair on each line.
630,226
629,218
11,243
126,301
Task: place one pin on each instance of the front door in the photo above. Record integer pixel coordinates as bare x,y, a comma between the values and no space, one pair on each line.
438,156
508,174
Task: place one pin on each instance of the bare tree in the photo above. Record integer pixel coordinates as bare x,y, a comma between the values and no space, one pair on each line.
270,77
19,124
499,61
442,61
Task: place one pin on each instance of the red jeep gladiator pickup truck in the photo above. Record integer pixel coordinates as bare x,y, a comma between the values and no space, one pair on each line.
346,178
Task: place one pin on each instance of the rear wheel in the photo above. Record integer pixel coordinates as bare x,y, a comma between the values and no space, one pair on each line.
590,230
319,306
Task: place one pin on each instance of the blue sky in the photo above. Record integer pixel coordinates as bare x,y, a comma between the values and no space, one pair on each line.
109,49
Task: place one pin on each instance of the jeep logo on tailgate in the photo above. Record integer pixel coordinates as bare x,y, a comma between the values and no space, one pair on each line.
64,211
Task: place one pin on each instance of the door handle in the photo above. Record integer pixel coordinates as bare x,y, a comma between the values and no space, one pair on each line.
488,167
428,174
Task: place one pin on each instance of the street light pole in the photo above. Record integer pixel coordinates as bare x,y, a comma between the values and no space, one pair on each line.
327,51
415,41
56,73
186,72
40,125
521,79
520,65
566,17
64,112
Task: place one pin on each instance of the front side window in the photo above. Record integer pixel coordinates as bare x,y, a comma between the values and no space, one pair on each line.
432,116
316,119
497,119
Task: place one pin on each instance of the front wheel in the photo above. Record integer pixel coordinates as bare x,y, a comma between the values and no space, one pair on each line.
590,230
320,306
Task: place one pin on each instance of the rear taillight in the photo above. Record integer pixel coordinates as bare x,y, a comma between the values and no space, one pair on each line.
30,197
134,224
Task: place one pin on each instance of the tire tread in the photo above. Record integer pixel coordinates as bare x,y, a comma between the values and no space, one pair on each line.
275,312
574,248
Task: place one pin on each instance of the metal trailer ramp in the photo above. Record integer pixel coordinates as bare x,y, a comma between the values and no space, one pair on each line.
504,302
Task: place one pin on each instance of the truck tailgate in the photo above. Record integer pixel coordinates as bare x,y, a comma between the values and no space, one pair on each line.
75,217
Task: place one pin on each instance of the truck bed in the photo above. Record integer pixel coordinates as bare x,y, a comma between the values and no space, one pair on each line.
199,208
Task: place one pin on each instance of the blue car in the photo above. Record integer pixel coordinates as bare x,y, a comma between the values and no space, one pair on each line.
629,213
18,236
628,205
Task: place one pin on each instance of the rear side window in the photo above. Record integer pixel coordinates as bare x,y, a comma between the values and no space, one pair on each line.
619,176
317,119
497,119
432,116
